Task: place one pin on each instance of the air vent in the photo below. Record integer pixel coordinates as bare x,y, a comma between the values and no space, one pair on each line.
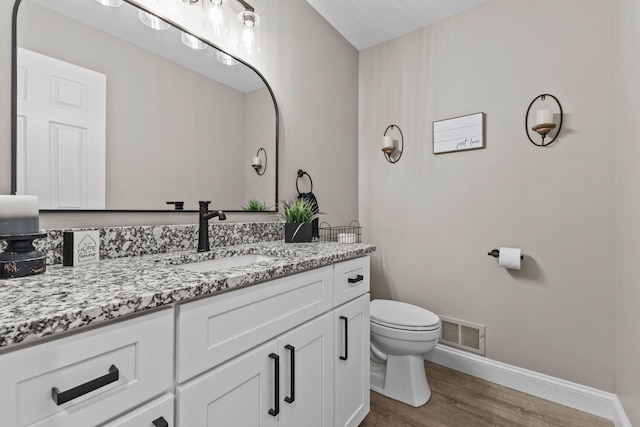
462,334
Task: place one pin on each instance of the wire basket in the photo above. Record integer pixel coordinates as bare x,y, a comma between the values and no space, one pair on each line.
351,233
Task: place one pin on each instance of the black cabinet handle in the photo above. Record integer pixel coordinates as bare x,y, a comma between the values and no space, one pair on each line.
160,422
292,398
346,337
276,385
359,278
60,397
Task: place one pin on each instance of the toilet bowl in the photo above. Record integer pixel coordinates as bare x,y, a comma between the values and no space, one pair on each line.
401,334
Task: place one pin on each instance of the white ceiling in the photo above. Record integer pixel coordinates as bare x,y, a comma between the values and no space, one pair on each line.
366,23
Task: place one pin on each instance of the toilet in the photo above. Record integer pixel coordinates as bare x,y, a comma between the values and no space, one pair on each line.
401,334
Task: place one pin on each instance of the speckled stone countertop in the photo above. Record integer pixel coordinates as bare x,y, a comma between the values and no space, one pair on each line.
66,298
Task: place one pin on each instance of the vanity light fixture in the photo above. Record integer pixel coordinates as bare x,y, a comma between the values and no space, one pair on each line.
110,3
192,41
226,59
257,164
545,122
217,23
152,21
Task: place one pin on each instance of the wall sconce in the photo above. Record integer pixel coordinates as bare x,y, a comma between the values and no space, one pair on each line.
544,121
217,23
391,153
257,164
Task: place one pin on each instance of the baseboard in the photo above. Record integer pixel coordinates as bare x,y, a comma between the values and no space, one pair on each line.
586,399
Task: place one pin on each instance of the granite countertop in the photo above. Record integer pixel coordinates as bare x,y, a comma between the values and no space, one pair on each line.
66,298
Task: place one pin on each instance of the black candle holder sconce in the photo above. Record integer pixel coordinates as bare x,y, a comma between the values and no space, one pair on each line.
543,129
260,168
393,154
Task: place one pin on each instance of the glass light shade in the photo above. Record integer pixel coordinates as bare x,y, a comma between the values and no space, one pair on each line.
152,21
192,42
110,3
250,37
226,59
175,6
217,17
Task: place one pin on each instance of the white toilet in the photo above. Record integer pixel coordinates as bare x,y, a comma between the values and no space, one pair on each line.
401,334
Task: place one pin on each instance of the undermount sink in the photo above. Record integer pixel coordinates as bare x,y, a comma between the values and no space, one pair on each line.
229,262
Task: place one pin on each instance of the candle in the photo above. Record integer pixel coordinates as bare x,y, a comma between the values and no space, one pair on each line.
18,215
387,141
256,161
544,116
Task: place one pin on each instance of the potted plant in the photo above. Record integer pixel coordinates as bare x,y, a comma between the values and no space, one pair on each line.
254,205
298,216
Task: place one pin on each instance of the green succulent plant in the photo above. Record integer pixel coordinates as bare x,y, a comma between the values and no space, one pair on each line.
255,206
298,211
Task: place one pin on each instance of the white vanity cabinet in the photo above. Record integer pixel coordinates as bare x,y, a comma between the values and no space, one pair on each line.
289,352
88,378
312,332
286,382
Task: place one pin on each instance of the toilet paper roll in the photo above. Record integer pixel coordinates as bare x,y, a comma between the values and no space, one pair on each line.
510,258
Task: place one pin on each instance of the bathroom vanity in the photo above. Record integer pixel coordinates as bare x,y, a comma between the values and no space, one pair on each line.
280,339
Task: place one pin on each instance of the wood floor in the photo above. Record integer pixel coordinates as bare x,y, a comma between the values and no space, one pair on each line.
460,400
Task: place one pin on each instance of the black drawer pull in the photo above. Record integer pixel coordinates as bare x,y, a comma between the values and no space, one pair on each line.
346,338
160,422
292,391
359,278
60,397
276,386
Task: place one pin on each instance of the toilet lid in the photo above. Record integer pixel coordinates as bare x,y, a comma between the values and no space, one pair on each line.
401,315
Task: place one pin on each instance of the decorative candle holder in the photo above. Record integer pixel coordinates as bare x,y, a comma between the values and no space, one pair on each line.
21,258
547,126
257,164
392,150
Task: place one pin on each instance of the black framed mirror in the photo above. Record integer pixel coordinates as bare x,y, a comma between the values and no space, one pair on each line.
173,123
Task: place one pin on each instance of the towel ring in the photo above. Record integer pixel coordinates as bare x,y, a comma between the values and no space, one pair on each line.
301,173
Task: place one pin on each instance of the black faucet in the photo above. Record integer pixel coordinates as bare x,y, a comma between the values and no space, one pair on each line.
203,232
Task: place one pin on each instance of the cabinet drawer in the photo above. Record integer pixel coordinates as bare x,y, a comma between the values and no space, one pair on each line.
154,414
213,330
351,279
97,374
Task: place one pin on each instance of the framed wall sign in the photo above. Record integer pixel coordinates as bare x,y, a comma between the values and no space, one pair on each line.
458,133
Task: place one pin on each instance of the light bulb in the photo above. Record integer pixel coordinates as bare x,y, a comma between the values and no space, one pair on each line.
217,21
249,41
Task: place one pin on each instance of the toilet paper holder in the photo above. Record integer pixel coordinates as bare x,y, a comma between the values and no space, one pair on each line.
496,253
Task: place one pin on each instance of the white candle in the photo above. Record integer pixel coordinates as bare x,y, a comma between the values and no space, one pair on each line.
18,215
387,141
256,161
544,116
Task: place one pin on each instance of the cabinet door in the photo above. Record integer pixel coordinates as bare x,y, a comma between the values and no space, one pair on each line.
307,389
239,393
351,361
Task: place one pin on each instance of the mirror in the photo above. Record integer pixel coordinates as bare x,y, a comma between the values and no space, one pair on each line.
110,114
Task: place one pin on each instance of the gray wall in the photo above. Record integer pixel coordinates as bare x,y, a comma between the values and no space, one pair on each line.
434,218
315,81
628,207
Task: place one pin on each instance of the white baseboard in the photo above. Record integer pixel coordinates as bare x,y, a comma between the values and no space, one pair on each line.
586,399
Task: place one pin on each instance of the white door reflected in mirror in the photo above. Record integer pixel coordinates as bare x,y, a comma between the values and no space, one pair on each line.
61,133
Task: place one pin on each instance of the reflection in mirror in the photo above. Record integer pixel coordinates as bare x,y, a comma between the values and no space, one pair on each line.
112,114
